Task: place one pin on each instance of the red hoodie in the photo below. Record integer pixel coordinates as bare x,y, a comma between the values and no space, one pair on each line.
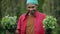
38,23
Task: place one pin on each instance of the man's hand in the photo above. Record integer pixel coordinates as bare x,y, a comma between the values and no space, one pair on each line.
17,32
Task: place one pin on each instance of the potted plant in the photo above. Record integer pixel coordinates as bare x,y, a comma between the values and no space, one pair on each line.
9,23
50,24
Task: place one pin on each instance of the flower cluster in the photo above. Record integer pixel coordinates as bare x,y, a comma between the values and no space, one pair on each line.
8,22
50,22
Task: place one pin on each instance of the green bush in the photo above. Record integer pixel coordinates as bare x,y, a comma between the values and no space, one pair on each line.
9,22
50,22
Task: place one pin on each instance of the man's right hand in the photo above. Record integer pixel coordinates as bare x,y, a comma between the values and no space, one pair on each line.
17,32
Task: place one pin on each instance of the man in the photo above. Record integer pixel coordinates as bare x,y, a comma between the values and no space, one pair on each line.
32,21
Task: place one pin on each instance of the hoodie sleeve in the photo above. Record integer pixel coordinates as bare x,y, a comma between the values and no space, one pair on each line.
42,28
19,24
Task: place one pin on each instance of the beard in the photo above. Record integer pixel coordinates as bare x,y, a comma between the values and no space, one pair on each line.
31,12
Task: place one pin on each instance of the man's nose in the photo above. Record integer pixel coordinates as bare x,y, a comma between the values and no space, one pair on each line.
31,9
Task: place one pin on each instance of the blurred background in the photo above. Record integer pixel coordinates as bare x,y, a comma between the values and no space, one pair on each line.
17,7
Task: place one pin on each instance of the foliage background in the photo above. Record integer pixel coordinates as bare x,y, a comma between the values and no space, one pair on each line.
17,7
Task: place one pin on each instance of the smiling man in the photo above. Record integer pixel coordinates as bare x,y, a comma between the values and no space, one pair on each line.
32,21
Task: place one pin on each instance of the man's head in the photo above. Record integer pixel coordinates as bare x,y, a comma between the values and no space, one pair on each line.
32,6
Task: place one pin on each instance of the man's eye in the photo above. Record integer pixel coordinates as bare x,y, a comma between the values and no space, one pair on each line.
33,7
29,7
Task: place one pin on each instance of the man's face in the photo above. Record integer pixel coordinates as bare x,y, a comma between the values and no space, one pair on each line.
31,7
